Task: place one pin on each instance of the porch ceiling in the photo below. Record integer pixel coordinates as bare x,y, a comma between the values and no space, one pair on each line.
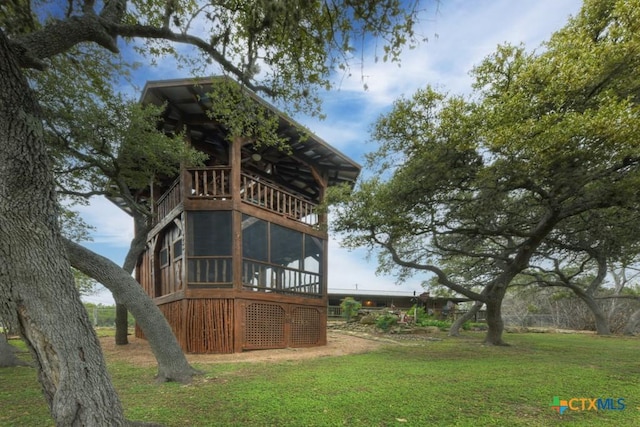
187,104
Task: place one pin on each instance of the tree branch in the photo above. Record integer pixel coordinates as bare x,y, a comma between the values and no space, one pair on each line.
149,32
58,37
172,363
442,276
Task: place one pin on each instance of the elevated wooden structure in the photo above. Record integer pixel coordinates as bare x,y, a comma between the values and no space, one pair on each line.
237,259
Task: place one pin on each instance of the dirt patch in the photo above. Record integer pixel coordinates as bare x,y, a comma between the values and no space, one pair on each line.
339,343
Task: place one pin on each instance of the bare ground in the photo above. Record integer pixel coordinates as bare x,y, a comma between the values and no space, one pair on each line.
339,343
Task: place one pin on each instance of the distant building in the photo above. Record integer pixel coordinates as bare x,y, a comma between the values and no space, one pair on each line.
439,307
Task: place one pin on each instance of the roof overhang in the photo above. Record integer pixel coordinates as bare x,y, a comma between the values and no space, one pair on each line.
186,101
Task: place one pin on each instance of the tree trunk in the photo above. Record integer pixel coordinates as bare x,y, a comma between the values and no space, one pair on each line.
136,248
37,293
455,327
602,324
632,323
172,364
122,325
494,318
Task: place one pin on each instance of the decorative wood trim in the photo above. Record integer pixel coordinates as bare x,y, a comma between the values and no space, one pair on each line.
238,325
235,160
236,249
279,298
281,220
165,299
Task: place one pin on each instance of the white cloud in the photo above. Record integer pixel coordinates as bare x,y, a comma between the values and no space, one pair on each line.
113,227
466,33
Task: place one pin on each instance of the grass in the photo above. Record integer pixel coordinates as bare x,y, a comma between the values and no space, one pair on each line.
454,382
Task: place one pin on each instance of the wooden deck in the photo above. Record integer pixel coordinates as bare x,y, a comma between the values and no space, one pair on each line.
215,183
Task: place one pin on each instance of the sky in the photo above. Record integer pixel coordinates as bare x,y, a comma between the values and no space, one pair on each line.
460,34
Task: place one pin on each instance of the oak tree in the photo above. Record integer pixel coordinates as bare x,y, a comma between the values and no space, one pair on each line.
284,49
491,180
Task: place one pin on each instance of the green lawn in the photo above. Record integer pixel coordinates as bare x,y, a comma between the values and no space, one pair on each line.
454,382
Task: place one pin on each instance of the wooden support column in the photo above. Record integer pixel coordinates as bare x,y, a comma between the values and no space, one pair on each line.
186,181
322,179
236,249
184,324
181,220
235,154
185,191
238,325
324,268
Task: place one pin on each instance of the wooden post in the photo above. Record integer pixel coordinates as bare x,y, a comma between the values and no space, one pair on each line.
322,179
184,324
238,325
235,154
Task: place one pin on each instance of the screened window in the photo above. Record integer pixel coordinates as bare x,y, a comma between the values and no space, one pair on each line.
286,247
255,239
312,254
279,259
209,233
164,257
177,249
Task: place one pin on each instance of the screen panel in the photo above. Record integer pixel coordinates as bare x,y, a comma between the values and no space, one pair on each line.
209,233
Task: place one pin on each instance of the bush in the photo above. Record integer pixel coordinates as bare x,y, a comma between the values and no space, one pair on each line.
386,321
418,314
350,308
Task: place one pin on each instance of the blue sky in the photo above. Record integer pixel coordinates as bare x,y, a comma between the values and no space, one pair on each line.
461,33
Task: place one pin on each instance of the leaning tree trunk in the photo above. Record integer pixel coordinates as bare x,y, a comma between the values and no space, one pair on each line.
136,248
172,364
602,324
495,323
454,331
37,293
122,325
632,323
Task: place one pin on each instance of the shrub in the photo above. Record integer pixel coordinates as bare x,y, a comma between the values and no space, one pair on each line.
418,314
350,308
386,321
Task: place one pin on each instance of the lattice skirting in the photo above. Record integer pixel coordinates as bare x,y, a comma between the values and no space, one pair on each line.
273,325
216,325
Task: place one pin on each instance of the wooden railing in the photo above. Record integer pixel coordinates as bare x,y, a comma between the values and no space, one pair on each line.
168,201
263,277
210,272
214,183
210,183
270,197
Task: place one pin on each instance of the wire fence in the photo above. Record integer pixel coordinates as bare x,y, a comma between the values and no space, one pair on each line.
531,321
105,316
